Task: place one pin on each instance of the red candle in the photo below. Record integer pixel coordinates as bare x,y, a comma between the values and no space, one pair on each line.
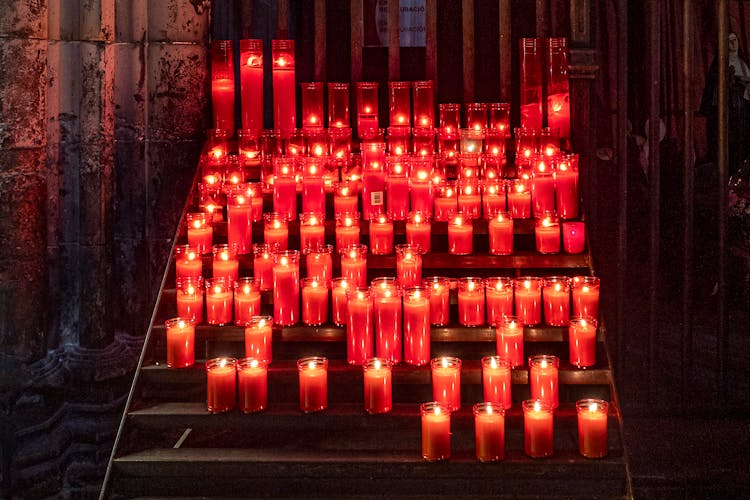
417,325
547,231
221,384
373,178
397,193
359,329
251,83
531,82
469,199
543,372
446,381
446,201
421,194
367,108
263,265
558,88
314,302
586,296
222,84
419,230
399,102
500,229
574,237
387,318
450,116
471,301
180,342
408,265
493,198
424,141
284,92
339,313
566,190
439,288
519,200
312,230
225,264
187,261
496,381
381,235
345,199
254,191
592,427
246,300
460,234
248,145
556,300
313,189
199,231
354,264
471,147
319,263
528,295
378,385
476,115
509,336
218,302
276,231
253,385
489,431
436,431
190,298
499,292
542,189
338,104
347,230
424,104
313,383
538,429
312,104
286,287
582,340
285,196
259,338
317,142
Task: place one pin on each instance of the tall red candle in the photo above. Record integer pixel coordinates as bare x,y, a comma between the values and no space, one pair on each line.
259,338
221,384
312,105
509,336
556,300
359,329
180,342
367,108
543,375
450,117
423,94
399,103
381,235
319,263
246,300
239,222
251,83
313,186
408,265
378,385
419,230
586,296
496,380
538,429
339,311
397,192
387,318
499,293
189,296
286,287
446,201
373,178
446,381
592,427
558,90
582,340
460,235
416,325
218,302
338,105
313,383
225,264
489,431
222,84
542,189
566,190
469,198
276,230
252,375
285,196
284,92
500,229
421,193
263,265
531,82
471,301
476,115
314,301
528,297
439,299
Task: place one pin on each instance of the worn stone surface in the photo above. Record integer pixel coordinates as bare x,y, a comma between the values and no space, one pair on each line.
22,92
130,91
90,20
129,204
130,285
21,195
95,192
63,294
95,323
178,20
22,309
24,19
63,180
158,256
131,20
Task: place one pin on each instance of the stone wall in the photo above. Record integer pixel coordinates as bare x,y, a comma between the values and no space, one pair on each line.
102,110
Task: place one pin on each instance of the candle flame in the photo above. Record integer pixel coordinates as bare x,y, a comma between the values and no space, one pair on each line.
254,363
519,188
344,284
527,284
458,221
262,323
563,167
211,179
417,218
471,286
276,224
348,221
217,289
361,295
550,151
313,119
246,290
223,362
544,363
491,174
546,222
436,286
344,191
181,324
437,179
495,151
382,219
449,193
241,200
424,121
541,166
526,153
448,130
408,256
281,61
314,284
493,362
558,287
387,292
397,168
489,410
191,256
313,221
253,61
190,290
585,289
401,119
234,179
367,109
512,325
417,294
500,218
422,175
311,365
444,362
318,150
377,364
537,406
593,407
467,190
224,255
399,150
313,169
584,323
477,126
197,224
470,148
437,410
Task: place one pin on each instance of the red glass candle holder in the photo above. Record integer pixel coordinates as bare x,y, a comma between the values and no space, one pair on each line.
221,384
439,287
471,140
367,108
189,297
519,199
423,98
582,342
338,105
419,230
558,89
556,300
381,235
531,82
499,117
469,198
424,141
543,378
373,179
471,299
180,342
187,261
399,140
347,230
359,325
286,287
509,331
319,262
494,143
314,186
284,88
543,189
494,199
246,300
436,431
222,84
446,201
199,231
421,195
489,431
218,301
225,264
217,144
295,144
547,233
312,230
263,265
528,298
276,230
499,293
566,188
251,84
345,198
408,265
450,117
460,234
496,381
234,172
549,142
538,429
387,313
354,264
446,381
397,187
399,105
476,116
313,383
340,139
252,376
417,325
314,301
592,427
285,195
378,385
339,311
574,236
259,338
586,296
317,141
312,105
240,221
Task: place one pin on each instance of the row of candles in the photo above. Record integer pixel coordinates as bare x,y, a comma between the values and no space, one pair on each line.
231,383
409,103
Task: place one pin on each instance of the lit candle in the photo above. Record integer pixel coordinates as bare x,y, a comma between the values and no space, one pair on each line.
259,338
439,299
373,178
592,427
582,340
276,230
471,301
470,146
547,231
313,383
399,102
340,139
469,199
345,199
359,328
312,104
354,264
387,318
542,189
239,222
543,374
509,336
218,302
436,431
286,287
574,237
446,381
496,381
538,429
476,115
398,139
253,385
378,385
338,104
500,229
367,108
221,384
199,231
225,264
347,230
586,296
251,83
556,300
397,189
421,193
528,297
248,144
234,172
424,141
381,235
180,342
285,196
423,96
246,300
499,292
408,265
460,235
519,200
263,265
419,230
450,116
319,263
188,262
190,298
493,198
339,311
312,230
489,431
222,84
566,190
446,202
417,325
314,302
313,187
284,91
254,192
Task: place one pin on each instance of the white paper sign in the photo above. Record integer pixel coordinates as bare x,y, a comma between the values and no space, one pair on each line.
411,18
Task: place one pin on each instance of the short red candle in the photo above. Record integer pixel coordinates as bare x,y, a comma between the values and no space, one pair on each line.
276,230
240,222
180,342
399,103
314,302
574,237
493,198
499,292
419,230
286,287
313,384
489,431
476,115
320,263
436,431
519,200
252,375
421,194
446,202
381,235
354,264
408,265
347,230
566,190
543,374
509,336
359,328
218,302
547,231
556,300
312,230
538,429
471,301
312,104
592,427
496,381
263,265
189,293
417,325
284,91
460,235
500,229
251,83
586,296
246,300
582,340
225,264
528,296
378,385
199,231
387,318
248,144
469,198
314,191
339,313
259,338
187,261
345,199
439,299
367,108
221,384
446,381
